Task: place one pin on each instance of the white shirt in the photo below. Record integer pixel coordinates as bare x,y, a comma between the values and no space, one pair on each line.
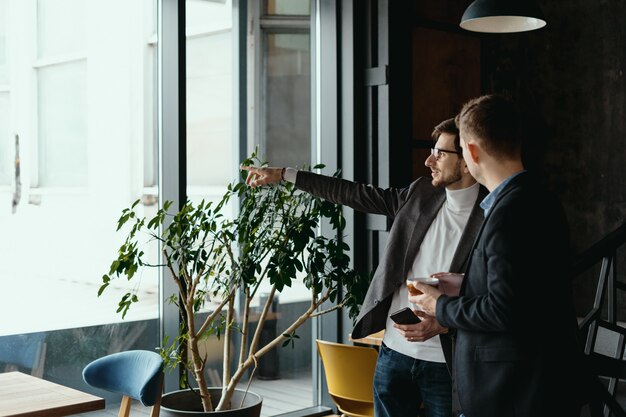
434,255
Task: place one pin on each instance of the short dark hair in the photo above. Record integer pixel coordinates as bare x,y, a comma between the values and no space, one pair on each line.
447,126
494,120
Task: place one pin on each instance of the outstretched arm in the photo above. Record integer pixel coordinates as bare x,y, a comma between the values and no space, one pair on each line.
262,176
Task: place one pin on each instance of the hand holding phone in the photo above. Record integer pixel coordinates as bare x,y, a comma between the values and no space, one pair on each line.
404,316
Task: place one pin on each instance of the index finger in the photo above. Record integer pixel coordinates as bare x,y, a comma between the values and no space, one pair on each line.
248,168
252,171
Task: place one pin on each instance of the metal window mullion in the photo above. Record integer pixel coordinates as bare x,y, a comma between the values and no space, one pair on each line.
172,167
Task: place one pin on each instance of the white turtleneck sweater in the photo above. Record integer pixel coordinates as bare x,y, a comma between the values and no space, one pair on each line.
434,255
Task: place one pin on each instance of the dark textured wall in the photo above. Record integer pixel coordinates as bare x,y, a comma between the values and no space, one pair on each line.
571,74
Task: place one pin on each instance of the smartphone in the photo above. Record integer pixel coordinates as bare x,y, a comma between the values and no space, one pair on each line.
404,316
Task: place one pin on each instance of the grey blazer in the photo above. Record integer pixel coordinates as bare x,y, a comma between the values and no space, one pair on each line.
412,210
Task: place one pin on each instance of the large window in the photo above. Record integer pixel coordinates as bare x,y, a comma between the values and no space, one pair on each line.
77,88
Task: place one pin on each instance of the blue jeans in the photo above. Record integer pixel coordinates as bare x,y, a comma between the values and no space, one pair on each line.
402,383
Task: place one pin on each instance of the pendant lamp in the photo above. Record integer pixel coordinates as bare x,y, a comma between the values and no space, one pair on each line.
502,16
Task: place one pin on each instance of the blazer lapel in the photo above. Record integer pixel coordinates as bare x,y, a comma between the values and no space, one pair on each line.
514,183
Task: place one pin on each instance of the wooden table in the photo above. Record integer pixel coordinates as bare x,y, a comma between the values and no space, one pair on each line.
374,339
25,395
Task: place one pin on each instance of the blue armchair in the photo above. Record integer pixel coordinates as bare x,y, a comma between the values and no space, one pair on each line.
136,374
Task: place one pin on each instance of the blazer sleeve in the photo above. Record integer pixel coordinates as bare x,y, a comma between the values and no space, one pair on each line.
361,197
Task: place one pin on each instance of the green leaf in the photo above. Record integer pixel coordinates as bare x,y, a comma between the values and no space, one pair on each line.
102,288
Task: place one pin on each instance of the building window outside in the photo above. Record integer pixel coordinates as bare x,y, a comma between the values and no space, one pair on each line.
62,122
61,94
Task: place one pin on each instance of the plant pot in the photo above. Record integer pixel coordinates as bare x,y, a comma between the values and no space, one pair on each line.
184,403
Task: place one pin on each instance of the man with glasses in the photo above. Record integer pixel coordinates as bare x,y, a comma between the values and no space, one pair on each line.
435,220
517,349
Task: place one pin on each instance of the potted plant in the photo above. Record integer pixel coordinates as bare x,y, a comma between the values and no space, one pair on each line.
212,258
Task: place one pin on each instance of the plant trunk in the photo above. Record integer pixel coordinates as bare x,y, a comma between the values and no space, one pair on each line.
252,359
198,363
198,371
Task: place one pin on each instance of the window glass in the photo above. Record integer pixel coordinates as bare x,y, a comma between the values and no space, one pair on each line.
282,126
287,99
209,111
81,100
211,147
288,7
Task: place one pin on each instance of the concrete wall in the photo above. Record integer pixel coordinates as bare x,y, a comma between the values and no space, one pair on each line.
572,73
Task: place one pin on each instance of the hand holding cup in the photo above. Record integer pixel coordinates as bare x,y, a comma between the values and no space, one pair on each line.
424,294
424,280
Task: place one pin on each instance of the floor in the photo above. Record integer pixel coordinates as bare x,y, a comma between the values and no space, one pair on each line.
279,396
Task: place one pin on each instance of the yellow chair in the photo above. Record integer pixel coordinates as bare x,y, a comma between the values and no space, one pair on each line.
350,376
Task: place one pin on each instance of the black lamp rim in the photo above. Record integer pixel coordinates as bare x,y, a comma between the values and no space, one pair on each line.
493,8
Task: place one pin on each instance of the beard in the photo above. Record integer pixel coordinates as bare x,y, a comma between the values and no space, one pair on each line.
450,177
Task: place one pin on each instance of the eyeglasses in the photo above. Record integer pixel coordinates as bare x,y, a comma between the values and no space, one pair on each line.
436,152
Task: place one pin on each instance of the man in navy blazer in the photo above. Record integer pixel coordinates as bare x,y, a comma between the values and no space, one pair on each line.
517,351
435,221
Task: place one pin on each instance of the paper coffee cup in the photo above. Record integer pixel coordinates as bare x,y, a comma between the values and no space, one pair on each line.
424,280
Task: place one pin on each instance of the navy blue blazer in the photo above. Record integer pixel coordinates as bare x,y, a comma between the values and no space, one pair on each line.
517,351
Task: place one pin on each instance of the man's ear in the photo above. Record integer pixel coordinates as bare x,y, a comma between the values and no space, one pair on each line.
473,151
464,167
